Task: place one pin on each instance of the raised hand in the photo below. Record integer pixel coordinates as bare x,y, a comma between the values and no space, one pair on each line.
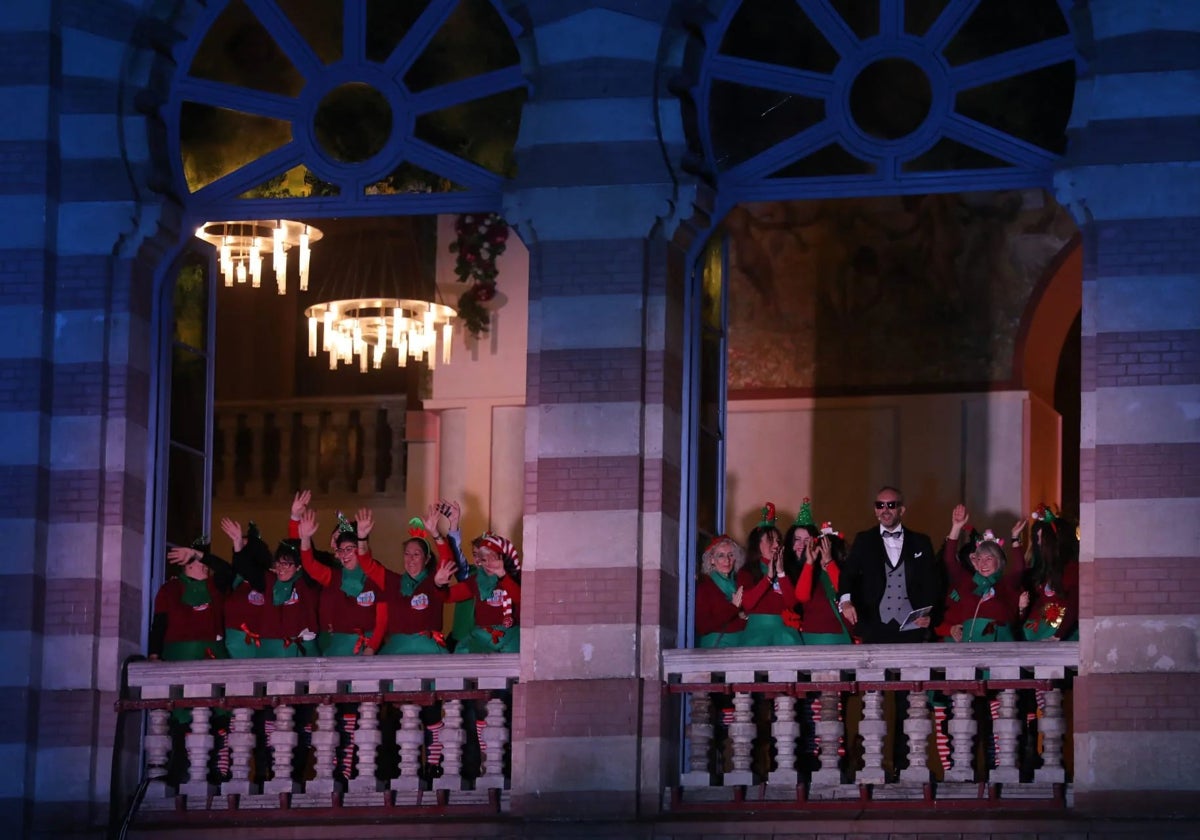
826,551
431,517
300,503
453,514
811,552
445,573
181,555
736,600
308,526
1018,528
366,521
233,530
958,519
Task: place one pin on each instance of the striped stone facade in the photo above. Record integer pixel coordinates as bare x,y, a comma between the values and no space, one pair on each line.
600,206
1133,184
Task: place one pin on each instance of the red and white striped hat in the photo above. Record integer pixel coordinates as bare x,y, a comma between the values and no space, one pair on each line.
500,545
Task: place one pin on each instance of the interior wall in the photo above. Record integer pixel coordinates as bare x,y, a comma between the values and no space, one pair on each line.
938,449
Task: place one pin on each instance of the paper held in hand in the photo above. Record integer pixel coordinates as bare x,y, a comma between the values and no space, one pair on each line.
910,623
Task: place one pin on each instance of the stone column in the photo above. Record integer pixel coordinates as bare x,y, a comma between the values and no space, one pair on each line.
1131,179
604,422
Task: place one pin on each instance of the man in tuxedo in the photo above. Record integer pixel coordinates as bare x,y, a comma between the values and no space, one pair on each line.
890,572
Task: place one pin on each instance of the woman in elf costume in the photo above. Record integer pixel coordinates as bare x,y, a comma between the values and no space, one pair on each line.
495,588
719,617
272,611
416,596
188,622
1054,555
795,541
984,604
353,619
818,587
768,598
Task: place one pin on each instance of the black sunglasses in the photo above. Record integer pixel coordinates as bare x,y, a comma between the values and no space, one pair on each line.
888,505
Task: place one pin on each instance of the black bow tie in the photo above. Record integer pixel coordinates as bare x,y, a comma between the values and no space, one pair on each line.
895,535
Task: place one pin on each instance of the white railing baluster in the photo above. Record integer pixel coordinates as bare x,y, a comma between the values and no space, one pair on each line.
158,747
742,732
325,739
241,747
873,730
410,737
367,739
496,736
917,727
199,744
453,739
831,730
1052,726
282,741
1006,729
785,730
962,728
700,736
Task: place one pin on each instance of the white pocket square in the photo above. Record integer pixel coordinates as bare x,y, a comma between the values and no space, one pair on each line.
918,554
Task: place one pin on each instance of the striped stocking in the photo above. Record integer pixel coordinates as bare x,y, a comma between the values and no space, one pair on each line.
349,751
433,752
941,737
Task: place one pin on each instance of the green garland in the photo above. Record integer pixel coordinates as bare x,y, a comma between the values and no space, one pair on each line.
479,240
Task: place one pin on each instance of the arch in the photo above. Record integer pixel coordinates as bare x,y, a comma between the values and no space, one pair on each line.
806,90
1053,309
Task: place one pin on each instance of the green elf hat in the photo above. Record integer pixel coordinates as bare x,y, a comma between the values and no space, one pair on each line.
804,517
768,516
416,531
253,533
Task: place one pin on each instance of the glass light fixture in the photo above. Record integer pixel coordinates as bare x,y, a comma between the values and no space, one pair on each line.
240,249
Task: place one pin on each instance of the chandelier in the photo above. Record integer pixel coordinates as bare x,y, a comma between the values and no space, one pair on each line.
241,247
379,302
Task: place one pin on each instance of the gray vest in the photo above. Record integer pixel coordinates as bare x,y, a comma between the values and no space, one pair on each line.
895,603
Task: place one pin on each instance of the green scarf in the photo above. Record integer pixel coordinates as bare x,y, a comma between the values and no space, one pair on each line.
282,590
726,584
984,584
195,592
353,582
486,583
409,584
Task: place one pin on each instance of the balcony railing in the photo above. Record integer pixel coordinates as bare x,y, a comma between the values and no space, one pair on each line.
781,727
348,445
356,732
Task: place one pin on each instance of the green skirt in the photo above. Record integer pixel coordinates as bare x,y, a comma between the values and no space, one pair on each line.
720,640
411,643
767,630
192,651
491,640
828,639
340,644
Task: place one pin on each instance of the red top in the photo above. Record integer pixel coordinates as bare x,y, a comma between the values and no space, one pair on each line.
1002,605
338,612
201,623
715,613
420,612
819,614
1063,604
256,609
763,597
494,611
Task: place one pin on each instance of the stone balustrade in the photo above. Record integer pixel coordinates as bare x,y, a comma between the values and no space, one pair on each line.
381,731
351,445
820,724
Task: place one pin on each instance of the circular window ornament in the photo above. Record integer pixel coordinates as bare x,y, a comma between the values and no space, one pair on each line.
890,99
352,123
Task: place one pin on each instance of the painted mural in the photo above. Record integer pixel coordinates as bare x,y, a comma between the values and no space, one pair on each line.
903,292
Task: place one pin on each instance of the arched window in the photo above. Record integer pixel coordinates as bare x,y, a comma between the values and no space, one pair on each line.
312,109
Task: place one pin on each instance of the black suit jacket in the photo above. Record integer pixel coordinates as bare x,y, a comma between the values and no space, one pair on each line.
865,579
